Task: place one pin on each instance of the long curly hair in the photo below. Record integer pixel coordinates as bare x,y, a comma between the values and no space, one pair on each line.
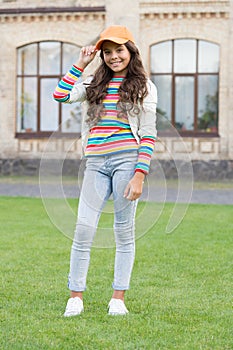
132,91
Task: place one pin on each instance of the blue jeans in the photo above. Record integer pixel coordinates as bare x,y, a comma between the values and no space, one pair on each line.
105,176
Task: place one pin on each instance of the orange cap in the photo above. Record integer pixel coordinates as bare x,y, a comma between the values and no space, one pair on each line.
117,34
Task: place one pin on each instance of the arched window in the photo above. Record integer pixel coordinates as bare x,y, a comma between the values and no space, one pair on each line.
39,67
186,73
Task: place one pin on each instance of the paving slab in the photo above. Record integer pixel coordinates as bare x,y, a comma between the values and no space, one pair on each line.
203,196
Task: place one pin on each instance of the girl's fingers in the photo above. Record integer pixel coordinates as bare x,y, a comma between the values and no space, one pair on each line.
132,191
127,190
129,193
88,50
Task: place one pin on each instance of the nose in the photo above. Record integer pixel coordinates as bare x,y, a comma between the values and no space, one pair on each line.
114,55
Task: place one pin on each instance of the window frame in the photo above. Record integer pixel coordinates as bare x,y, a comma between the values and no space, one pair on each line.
195,132
43,134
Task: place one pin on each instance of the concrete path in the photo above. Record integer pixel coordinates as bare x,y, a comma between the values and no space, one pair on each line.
204,196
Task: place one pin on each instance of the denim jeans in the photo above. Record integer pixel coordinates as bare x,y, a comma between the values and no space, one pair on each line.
105,175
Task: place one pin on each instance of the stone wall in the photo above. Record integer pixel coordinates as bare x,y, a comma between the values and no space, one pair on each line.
214,170
43,3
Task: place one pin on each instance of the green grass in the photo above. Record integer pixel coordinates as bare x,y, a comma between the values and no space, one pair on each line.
180,296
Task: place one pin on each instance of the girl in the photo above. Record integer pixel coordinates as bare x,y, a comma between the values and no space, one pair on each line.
118,135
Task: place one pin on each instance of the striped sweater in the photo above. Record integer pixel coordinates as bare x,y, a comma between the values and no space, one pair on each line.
112,134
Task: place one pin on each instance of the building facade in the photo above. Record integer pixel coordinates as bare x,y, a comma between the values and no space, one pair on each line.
187,50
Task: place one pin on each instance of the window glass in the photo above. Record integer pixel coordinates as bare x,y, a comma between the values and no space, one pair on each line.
40,67
185,56
164,86
48,107
208,57
27,58
71,118
50,61
207,103
188,95
161,57
184,103
70,54
27,104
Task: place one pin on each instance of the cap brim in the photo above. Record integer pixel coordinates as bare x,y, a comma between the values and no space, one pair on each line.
115,40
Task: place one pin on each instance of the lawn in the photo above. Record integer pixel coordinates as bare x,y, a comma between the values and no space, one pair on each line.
180,296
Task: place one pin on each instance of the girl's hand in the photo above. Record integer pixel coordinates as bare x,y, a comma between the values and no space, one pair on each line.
134,188
87,54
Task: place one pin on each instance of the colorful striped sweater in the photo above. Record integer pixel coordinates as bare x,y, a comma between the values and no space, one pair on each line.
112,134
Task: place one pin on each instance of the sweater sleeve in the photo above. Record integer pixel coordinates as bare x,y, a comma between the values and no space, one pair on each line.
146,148
147,131
66,84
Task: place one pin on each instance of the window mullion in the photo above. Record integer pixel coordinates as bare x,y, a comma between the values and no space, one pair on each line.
38,101
173,100
173,88
38,87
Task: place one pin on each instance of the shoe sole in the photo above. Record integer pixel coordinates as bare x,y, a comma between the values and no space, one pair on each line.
70,315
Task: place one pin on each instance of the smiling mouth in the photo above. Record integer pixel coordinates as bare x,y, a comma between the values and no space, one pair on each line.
116,63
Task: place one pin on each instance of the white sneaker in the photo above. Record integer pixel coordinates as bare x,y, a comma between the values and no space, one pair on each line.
74,307
117,307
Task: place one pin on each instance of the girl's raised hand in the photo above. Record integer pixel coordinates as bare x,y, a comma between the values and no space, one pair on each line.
87,54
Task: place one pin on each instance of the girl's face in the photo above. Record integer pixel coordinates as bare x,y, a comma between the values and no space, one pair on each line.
116,57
